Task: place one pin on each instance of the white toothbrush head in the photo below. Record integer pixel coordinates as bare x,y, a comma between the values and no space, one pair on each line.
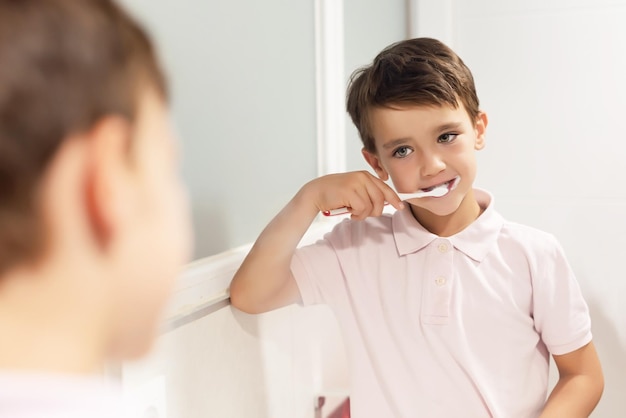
438,191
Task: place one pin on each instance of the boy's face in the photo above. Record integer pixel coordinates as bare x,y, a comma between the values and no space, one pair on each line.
421,147
155,240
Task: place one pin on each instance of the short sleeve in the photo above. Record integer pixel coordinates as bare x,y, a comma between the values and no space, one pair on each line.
317,270
560,313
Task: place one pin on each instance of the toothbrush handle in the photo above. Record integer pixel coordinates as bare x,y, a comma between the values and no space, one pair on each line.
335,212
339,211
402,196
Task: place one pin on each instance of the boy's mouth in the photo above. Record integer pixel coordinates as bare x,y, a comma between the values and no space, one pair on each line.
450,185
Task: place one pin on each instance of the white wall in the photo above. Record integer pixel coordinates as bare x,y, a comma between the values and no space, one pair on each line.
551,75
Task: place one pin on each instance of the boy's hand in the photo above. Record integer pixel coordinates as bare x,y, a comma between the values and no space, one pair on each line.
363,194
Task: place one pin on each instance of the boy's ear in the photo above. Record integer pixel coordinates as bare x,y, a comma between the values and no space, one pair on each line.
481,129
374,162
108,184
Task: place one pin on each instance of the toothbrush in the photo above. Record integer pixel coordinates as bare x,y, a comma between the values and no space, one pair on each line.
438,191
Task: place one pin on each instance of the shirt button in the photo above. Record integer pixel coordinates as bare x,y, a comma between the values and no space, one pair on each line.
443,248
440,281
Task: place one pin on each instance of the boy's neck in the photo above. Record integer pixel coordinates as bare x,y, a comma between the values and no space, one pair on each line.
446,226
44,331
45,351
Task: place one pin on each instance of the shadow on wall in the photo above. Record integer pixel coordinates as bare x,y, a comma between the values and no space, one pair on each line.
302,357
612,352
272,338
285,390
210,368
249,326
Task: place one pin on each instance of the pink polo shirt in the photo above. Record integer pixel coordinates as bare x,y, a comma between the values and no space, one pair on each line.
446,327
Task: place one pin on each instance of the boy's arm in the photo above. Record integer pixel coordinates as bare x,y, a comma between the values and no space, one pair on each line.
579,387
264,281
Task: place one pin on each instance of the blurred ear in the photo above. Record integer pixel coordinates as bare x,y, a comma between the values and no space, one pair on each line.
374,162
481,130
109,182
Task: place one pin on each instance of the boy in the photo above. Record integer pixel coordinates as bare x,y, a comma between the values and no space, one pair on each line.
447,310
94,224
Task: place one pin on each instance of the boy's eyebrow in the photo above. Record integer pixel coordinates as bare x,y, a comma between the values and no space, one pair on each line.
448,126
441,128
395,142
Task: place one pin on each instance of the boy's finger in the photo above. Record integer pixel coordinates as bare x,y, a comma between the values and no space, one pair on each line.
361,204
390,195
377,198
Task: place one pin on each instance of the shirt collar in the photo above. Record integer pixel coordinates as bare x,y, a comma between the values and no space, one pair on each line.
475,240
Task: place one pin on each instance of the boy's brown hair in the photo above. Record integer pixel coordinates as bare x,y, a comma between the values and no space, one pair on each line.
64,65
421,71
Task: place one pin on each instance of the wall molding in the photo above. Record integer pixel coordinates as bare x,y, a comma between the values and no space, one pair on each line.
203,288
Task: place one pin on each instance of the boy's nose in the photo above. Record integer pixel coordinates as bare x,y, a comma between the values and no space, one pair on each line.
432,165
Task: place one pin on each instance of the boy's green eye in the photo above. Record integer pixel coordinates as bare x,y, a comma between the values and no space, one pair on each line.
402,152
445,138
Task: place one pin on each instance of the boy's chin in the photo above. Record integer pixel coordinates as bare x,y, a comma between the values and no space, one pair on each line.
437,208
440,206
446,205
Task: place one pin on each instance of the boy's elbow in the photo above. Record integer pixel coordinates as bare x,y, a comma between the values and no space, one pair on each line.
598,384
597,378
594,389
256,297
240,303
240,299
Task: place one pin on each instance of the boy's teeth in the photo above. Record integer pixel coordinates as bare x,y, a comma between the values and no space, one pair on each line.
428,189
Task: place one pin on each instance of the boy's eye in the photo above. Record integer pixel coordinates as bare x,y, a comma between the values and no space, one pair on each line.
402,152
445,138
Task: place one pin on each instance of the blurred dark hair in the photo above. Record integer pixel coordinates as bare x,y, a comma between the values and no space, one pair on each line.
64,64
